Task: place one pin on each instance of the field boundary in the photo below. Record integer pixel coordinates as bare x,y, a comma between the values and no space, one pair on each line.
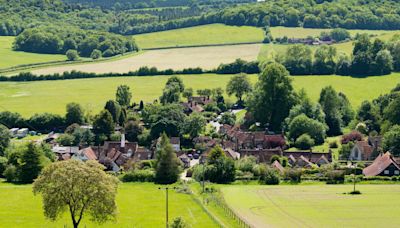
201,45
215,219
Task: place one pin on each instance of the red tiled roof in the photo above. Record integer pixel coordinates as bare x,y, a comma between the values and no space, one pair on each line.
89,153
380,164
365,149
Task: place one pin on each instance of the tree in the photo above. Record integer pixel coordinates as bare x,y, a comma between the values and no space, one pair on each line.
298,60
167,164
123,95
195,124
66,140
75,114
171,94
178,222
72,55
384,62
273,96
324,60
5,138
133,130
304,142
392,112
367,115
30,163
220,169
96,54
204,92
188,93
115,110
391,140
343,65
228,118
339,34
86,190
330,103
303,125
345,109
176,80
103,123
238,85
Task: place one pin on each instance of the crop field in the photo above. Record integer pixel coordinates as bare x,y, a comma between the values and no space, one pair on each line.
10,58
52,96
139,205
177,59
299,32
200,35
315,205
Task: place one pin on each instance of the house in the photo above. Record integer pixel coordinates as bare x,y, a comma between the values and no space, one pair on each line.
361,151
22,133
383,165
276,165
201,100
232,154
262,155
142,153
85,154
176,143
13,132
313,157
192,107
64,152
303,162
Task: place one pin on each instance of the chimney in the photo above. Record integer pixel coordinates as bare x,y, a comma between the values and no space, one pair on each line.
122,141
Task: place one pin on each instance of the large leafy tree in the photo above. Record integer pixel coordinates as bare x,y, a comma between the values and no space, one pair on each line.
80,188
164,118
167,163
195,124
298,59
273,96
239,85
5,138
171,93
391,140
30,163
176,80
75,114
103,124
330,102
115,110
123,95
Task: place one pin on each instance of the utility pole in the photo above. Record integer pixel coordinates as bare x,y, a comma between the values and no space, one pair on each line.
204,171
166,203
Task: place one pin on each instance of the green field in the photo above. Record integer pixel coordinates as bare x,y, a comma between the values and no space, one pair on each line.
10,58
139,205
315,205
299,32
200,35
52,96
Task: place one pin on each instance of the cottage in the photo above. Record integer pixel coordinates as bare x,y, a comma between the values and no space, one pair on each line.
13,132
142,154
361,151
85,155
192,107
276,165
303,162
383,165
64,152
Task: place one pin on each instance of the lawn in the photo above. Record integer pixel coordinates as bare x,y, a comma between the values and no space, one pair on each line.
200,35
139,205
10,58
315,205
52,96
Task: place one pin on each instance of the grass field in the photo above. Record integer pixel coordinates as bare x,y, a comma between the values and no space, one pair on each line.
139,205
200,35
299,32
52,96
177,59
10,58
315,205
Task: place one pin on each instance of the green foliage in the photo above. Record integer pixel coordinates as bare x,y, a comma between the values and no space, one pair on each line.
293,175
239,85
66,140
330,103
304,125
103,123
228,118
145,175
115,110
178,222
273,97
10,173
86,190
194,125
176,80
171,94
96,54
391,140
72,55
75,114
246,164
339,34
30,163
123,95
270,177
167,163
132,130
304,142
298,60
5,139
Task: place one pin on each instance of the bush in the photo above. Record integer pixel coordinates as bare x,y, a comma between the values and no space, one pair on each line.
293,175
335,177
138,176
72,55
96,54
304,142
270,177
178,223
3,165
275,158
351,137
11,173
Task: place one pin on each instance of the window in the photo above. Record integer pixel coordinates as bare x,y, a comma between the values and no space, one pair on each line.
386,172
396,172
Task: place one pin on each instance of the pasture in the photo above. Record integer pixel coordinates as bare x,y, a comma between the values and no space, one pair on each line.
10,58
200,35
315,205
177,59
139,205
28,98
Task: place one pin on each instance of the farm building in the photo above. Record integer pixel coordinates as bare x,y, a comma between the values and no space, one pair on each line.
383,165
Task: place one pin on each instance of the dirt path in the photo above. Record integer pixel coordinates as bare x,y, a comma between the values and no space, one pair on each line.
176,59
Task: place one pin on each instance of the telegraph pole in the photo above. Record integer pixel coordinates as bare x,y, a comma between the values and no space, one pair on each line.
166,203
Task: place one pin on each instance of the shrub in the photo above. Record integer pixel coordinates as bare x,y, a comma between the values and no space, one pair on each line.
178,223
3,165
304,142
72,55
351,137
145,175
275,158
293,175
10,173
335,177
96,54
284,161
270,177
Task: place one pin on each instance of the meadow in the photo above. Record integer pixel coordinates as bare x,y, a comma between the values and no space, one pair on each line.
139,205
10,58
52,96
200,35
177,59
315,205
